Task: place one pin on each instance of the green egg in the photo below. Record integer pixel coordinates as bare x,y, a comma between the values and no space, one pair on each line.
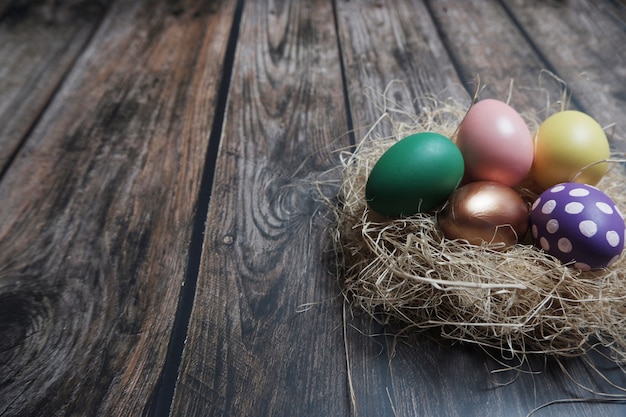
416,174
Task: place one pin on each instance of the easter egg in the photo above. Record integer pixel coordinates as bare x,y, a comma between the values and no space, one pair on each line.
484,212
414,175
565,143
578,223
496,143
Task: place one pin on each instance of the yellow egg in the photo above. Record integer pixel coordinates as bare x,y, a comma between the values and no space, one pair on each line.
565,144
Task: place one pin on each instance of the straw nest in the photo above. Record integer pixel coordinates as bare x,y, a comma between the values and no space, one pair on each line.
518,300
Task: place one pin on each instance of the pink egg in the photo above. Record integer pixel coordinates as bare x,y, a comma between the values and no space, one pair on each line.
496,143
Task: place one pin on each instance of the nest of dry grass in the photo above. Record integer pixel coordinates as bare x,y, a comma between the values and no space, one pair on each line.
517,300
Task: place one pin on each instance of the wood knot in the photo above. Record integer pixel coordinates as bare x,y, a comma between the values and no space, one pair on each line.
22,315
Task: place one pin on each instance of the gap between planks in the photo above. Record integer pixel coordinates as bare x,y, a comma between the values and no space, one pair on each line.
161,400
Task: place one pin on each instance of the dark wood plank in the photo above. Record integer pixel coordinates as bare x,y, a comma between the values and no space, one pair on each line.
38,47
4,7
97,212
486,44
392,46
586,45
415,375
615,9
251,351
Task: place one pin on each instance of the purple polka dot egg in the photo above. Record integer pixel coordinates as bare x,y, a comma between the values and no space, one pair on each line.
579,225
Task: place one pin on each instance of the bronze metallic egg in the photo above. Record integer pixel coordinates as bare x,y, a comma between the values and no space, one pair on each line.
484,212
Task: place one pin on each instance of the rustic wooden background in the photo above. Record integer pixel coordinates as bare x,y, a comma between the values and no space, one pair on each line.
162,243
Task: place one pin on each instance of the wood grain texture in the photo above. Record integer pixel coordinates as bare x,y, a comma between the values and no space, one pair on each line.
616,10
38,48
394,46
484,42
586,45
256,347
460,380
97,210
98,206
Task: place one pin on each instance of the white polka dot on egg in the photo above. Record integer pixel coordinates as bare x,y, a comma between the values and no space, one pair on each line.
588,228
613,238
536,203
557,188
574,207
604,208
564,245
579,192
552,226
548,207
582,266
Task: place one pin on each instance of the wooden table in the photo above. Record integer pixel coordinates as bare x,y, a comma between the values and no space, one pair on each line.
162,240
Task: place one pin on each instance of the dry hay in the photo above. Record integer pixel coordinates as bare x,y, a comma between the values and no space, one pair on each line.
518,300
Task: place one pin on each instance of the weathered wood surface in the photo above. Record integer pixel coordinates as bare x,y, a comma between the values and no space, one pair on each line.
492,54
156,123
39,45
584,44
251,351
97,210
392,47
